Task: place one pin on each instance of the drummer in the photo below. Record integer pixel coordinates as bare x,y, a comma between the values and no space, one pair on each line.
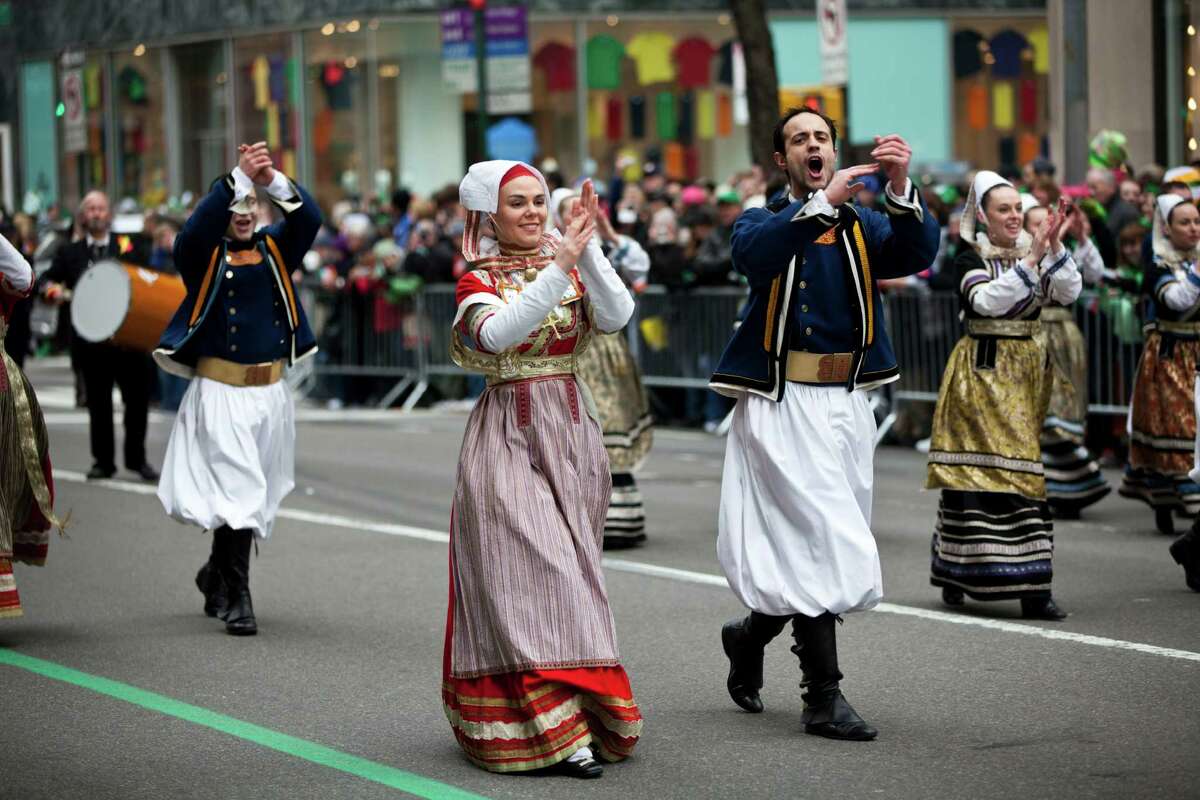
231,457
101,365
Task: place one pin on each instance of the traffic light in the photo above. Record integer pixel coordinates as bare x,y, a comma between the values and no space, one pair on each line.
477,5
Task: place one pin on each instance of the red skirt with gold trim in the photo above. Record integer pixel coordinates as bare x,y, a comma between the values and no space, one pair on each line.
527,720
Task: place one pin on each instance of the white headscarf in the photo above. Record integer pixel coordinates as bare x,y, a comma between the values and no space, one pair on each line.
556,201
479,193
973,229
1164,204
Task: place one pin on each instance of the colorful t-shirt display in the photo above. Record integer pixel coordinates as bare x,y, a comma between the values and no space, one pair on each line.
706,114
637,117
1007,47
652,53
693,57
557,61
664,116
604,55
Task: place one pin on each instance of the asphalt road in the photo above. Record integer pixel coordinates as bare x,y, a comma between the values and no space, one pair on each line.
130,692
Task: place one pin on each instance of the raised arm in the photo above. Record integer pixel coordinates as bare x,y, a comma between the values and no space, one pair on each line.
16,276
903,241
301,218
1006,295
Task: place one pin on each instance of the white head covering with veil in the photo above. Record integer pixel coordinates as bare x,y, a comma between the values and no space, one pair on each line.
973,228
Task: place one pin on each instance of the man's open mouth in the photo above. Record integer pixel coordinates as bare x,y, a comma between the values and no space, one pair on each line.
816,167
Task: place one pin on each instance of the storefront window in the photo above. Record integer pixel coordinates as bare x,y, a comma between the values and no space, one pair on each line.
336,75
1001,71
82,83
203,98
141,154
268,87
420,117
661,90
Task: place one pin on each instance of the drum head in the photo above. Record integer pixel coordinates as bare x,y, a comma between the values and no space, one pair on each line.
101,301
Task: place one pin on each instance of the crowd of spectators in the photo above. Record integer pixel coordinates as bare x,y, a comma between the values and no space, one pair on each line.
373,257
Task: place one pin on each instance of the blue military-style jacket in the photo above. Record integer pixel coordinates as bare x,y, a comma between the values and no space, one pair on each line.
241,305
812,272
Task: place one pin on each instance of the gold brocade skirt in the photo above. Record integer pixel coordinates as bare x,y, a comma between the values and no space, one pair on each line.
1163,413
989,417
615,382
1064,343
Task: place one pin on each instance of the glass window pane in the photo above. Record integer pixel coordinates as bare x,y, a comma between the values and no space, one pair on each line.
267,88
420,118
336,84
203,98
141,155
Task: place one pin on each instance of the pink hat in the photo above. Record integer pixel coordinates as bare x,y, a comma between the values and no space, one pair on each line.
693,196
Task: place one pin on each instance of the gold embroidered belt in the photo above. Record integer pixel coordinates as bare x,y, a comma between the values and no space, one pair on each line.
513,369
1181,329
1009,328
234,374
804,367
1057,314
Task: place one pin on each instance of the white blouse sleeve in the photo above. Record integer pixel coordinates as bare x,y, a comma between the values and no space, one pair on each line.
511,323
1087,257
1000,295
1061,281
1181,295
612,306
14,267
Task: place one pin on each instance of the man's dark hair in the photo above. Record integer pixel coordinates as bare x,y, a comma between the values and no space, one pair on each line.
1174,186
791,112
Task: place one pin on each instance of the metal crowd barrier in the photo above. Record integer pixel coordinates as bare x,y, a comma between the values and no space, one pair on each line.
678,337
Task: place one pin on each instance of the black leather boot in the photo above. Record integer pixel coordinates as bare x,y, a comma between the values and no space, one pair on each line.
826,712
1042,608
235,569
1186,552
743,641
1164,520
209,580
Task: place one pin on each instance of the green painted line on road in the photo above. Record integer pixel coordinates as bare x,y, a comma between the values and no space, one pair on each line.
300,748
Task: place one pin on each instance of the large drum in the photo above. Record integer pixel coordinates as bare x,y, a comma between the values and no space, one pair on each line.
128,305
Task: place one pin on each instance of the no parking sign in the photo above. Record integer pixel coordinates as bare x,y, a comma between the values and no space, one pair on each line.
831,29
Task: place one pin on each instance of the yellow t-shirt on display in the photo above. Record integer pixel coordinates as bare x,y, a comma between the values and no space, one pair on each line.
652,53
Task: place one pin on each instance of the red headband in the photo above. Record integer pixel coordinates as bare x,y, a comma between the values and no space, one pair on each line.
517,171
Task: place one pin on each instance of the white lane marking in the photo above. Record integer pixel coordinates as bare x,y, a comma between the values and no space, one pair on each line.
676,574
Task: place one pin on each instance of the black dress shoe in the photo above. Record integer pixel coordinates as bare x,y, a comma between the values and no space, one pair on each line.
952,596
99,473
745,666
1164,520
837,720
1042,608
585,768
147,472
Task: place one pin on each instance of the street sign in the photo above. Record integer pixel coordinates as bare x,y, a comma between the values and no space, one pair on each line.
508,69
74,110
831,30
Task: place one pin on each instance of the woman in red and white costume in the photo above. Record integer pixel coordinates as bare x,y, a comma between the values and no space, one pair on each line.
532,677
26,486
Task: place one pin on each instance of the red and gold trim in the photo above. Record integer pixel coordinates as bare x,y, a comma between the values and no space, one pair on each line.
10,600
529,720
202,296
285,281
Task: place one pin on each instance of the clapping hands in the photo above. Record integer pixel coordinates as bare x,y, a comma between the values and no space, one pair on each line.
580,228
255,161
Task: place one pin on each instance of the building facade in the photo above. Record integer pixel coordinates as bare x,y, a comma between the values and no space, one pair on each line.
149,99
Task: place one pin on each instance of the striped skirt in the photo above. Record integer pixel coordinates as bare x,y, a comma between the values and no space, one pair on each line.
531,670
1073,478
993,546
1163,426
625,523
26,484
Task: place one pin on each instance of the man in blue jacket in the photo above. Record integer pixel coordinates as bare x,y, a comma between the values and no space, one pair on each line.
795,537
231,457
